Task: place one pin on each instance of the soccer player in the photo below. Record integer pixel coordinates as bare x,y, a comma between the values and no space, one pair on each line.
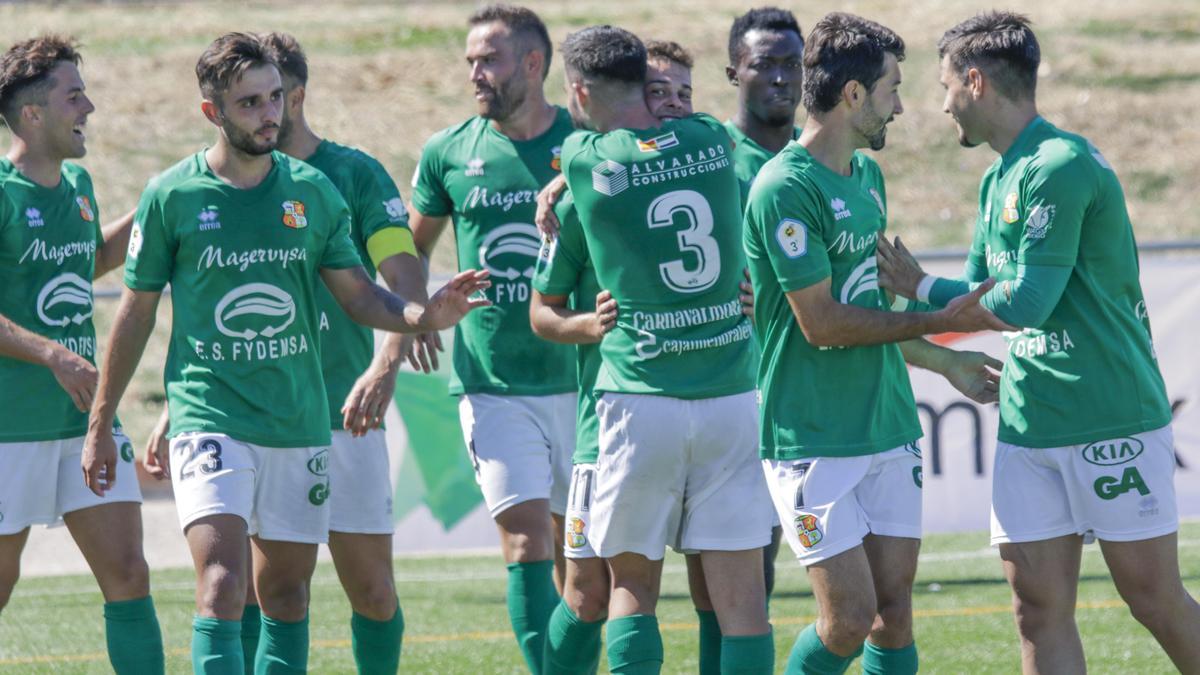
1085,448
675,462
242,233
51,248
839,423
517,393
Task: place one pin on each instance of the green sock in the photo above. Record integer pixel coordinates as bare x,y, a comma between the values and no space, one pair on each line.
748,654
531,601
810,657
710,642
216,646
134,639
376,644
283,647
251,629
634,645
572,645
879,660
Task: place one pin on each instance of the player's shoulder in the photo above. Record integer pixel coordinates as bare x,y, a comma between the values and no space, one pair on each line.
76,175
456,134
297,172
181,176
351,156
1054,150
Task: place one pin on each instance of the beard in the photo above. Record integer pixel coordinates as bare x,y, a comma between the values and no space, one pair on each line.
963,139
505,99
873,128
247,142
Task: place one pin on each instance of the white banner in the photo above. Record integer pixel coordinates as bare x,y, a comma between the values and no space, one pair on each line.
960,435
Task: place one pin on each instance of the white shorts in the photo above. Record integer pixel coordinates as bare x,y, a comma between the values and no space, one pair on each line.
520,447
1120,489
679,472
362,502
828,504
42,480
577,527
281,493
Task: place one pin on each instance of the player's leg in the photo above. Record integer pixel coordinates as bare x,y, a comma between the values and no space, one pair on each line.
360,540
770,552
573,634
108,532
29,484
251,620
11,546
1044,576
709,637
634,641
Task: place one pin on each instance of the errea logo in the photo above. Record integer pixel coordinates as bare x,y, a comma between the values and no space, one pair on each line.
34,217
474,167
208,219
839,208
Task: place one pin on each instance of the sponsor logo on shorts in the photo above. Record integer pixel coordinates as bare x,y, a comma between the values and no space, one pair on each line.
809,530
576,538
1111,487
1148,506
1111,453
318,465
318,494
293,214
918,476
85,208
127,451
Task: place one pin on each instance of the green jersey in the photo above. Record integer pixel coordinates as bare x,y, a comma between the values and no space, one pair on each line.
375,205
749,157
488,183
659,212
805,223
243,267
1089,372
564,269
48,242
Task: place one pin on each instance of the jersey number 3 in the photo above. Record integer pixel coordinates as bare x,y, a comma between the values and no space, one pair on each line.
697,239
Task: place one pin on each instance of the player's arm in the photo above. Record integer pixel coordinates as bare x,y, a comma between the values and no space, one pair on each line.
74,373
368,304
552,320
545,219
156,459
111,255
126,341
975,374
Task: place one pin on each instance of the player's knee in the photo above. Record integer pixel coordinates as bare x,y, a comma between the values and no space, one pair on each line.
285,600
1037,614
588,599
1155,611
128,578
222,591
848,628
528,547
377,600
894,621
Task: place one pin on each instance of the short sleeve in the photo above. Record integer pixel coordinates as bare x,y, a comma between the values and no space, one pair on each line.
429,195
339,250
379,205
562,261
1056,195
150,259
787,220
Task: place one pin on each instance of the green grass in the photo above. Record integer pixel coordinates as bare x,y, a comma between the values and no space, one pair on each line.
457,623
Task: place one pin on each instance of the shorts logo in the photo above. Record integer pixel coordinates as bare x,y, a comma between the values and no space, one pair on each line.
1148,506
610,178
510,251
85,208
1039,221
556,158
809,530
273,306
318,494
792,236
66,299
293,214
1010,213
318,465
1109,488
918,477
663,142
1114,452
127,451
575,532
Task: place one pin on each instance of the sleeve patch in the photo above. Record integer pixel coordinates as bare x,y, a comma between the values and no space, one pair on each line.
792,236
135,240
1039,221
395,210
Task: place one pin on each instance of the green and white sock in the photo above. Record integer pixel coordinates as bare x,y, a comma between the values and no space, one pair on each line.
531,600
635,645
882,661
134,639
283,647
710,642
216,646
251,629
748,654
572,645
810,656
376,644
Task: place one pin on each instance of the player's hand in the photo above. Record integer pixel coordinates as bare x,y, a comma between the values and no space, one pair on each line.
747,294
964,314
546,221
76,376
975,374
156,458
368,400
899,271
605,315
99,459
453,301
422,351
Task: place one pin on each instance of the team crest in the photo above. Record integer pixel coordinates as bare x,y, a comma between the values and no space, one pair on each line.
809,530
575,535
85,208
556,158
293,214
1010,213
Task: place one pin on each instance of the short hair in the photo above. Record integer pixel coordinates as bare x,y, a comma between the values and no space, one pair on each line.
666,50
227,59
288,55
523,23
1002,45
841,48
606,53
25,71
761,18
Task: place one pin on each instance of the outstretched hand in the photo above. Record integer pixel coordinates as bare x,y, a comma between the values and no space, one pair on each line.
964,314
546,221
453,301
976,375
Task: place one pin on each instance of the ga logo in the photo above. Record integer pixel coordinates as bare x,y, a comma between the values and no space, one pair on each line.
66,299
85,208
1108,487
318,494
809,530
127,451
575,536
270,304
293,214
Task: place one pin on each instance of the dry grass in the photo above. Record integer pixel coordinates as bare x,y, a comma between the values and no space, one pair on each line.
385,76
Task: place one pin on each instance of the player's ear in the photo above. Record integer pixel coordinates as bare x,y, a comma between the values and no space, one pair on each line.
534,63
295,97
976,83
731,75
853,93
211,111
30,114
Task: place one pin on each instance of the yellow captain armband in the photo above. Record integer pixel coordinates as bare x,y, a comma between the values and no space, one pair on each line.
390,241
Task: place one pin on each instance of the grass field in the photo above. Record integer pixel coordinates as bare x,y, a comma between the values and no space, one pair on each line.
457,623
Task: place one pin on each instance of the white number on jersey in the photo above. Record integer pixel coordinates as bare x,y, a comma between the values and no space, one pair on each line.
697,239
